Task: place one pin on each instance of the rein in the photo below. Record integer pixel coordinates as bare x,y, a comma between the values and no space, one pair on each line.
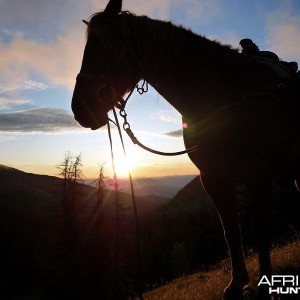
133,198
126,126
121,103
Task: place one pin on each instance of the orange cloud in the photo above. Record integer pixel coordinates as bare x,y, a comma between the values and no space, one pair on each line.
58,61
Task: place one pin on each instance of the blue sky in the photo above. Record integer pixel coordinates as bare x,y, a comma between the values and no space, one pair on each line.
41,46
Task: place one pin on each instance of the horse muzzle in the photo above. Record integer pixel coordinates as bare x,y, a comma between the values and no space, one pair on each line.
87,116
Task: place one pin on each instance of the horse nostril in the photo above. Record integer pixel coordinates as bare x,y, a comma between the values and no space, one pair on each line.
106,94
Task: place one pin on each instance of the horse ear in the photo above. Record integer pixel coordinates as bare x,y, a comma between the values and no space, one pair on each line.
86,22
113,7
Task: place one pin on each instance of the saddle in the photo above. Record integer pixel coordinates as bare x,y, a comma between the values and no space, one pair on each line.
286,71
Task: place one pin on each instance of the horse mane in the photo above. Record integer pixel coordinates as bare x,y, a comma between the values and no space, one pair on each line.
168,28
164,37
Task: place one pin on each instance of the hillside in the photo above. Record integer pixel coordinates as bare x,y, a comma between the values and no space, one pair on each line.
27,189
39,254
185,234
44,255
210,285
12,178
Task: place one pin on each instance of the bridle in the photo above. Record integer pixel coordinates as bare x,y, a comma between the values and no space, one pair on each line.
120,103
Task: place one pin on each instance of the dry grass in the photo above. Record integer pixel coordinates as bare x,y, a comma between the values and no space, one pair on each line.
210,285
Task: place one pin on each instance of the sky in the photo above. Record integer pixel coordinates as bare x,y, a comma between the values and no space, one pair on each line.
41,48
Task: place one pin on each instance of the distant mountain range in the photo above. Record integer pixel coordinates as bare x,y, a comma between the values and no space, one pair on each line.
164,186
22,187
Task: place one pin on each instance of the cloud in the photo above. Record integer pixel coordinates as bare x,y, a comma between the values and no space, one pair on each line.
8,33
47,38
9,102
44,39
10,93
38,120
167,115
175,133
283,31
58,62
20,85
34,85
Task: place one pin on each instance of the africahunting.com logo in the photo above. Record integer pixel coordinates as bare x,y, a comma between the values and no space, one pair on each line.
281,284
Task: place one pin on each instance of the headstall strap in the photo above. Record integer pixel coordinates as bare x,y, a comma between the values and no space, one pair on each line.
142,89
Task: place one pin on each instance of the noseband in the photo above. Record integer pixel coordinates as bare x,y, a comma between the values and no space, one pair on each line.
99,81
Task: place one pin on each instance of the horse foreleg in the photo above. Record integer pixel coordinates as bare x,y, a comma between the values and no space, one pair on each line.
260,194
222,193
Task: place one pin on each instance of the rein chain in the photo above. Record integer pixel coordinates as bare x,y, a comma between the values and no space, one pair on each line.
126,126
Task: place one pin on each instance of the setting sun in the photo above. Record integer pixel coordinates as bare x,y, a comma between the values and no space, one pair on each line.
123,166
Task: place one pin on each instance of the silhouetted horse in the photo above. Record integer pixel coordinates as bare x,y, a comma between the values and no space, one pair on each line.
246,131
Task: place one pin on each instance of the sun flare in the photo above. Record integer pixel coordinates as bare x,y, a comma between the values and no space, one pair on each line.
123,166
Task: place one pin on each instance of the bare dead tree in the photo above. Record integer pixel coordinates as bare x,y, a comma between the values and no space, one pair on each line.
101,189
71,172
64,168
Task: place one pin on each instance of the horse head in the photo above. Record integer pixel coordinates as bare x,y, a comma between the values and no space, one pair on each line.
109,68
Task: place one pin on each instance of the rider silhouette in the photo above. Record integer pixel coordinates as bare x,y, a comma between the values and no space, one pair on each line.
250,48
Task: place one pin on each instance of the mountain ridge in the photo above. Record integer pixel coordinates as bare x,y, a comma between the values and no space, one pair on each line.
39,254
14,182
164,186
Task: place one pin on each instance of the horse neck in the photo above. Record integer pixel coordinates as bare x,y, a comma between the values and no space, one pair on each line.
183,67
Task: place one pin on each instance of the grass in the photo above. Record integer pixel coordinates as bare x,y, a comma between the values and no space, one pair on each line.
210,285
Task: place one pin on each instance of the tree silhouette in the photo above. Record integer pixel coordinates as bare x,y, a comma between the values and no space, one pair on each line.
70,171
